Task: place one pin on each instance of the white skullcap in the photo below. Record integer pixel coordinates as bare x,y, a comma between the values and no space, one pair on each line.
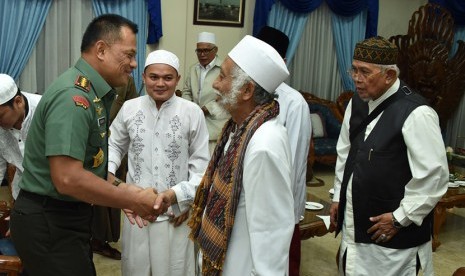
164,57
261,62
8,88
206,37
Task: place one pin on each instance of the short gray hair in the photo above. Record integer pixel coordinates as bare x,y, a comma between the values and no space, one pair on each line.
260,95
394,67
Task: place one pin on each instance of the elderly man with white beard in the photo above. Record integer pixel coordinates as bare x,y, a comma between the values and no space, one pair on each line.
243,210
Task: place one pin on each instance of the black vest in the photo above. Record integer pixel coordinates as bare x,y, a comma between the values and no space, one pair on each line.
381,170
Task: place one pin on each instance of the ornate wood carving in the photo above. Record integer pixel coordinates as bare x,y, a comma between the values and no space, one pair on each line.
423,59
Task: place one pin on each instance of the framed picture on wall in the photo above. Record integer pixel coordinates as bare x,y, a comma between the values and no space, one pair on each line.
219,12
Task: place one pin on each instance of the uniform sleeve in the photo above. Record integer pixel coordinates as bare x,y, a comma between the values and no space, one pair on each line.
118,142
428,163
268,201
198,161
68,123
342,148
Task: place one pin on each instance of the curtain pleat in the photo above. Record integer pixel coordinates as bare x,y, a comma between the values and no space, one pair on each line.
136,11
20,26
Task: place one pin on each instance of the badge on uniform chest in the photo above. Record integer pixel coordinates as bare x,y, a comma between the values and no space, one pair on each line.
101,121
98,158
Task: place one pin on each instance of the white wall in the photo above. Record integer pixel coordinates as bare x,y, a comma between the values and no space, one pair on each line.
394,16
180,34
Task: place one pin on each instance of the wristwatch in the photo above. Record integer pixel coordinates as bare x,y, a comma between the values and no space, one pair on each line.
396,223
117,181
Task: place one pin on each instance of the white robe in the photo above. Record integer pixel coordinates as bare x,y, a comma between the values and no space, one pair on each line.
427,160
167,149
294,114
12,143
264,221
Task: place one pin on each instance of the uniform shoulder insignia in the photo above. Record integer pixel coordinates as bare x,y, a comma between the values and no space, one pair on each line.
83,83
81,101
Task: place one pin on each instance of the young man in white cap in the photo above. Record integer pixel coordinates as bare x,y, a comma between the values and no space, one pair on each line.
294,114
198,85
16,111
243,216
166,140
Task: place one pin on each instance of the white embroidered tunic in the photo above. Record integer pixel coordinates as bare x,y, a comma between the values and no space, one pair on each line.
167,147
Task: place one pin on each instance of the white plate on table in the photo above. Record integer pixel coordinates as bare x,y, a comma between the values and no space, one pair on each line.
310,205
453,184
460,182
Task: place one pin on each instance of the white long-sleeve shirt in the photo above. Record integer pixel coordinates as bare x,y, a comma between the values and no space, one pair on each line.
12,143
167,148
294,114
427,161
264,221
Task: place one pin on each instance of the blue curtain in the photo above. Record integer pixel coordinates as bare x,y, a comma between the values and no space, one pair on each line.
20,25
260,16
290,23
136,11
341,7
347,31
456,8
155,26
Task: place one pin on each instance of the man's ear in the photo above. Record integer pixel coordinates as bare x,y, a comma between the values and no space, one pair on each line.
249,89
101,47
390,75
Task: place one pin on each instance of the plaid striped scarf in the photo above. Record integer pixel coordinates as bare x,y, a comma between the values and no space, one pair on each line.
220,189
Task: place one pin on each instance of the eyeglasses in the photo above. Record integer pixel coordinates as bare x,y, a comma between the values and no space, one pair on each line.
362,75
204,51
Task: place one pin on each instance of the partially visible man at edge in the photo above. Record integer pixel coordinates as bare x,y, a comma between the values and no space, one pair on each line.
243,216
65,162
294,114
390,172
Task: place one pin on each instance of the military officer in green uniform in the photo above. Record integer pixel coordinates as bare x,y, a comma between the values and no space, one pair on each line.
65,162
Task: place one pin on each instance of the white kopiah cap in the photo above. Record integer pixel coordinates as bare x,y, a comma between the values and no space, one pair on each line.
8,88
261,62
164,57
206,37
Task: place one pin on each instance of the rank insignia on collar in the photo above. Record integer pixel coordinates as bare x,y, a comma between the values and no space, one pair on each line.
81,101
83,83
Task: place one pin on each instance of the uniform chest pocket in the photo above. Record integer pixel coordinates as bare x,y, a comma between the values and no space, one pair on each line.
98,137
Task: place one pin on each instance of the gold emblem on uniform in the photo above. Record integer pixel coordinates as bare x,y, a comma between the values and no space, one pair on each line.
96,100
82,82
99,110
98,158
102,134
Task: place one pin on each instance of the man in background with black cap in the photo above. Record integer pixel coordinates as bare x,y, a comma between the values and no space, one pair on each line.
243,216
390,172
294,114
